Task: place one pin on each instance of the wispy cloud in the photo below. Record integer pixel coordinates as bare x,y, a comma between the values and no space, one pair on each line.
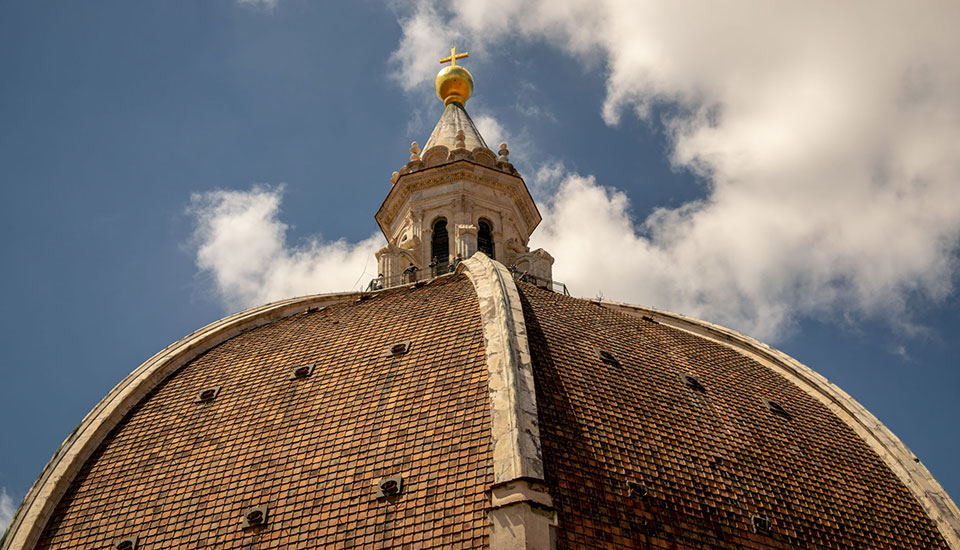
240,243
266,5
7,508
528,104
829,135
424,35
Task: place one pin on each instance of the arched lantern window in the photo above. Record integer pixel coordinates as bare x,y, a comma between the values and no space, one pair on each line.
440,244
485,238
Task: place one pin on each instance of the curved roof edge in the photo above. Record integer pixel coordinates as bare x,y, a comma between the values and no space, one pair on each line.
907,467
42,498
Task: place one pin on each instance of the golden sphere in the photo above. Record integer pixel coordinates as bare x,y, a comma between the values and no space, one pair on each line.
454,83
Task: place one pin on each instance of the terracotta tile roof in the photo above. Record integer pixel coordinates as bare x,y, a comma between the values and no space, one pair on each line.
710,460
635,455
179,474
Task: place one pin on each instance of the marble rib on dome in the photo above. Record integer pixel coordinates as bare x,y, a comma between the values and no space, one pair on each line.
455,118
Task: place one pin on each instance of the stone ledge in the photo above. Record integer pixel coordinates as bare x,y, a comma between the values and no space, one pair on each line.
531,491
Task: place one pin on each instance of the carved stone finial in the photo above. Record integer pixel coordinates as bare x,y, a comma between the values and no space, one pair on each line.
414,151
394,177
504,153
461,140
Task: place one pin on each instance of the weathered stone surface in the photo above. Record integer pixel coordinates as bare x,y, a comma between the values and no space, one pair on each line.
521,514
513,404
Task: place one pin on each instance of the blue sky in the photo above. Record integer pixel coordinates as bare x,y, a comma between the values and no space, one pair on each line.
791,173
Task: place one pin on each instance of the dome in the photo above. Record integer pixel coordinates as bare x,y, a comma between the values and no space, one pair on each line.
423,416
461,403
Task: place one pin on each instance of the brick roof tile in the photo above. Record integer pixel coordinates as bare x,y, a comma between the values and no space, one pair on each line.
180,473
634,457
710,460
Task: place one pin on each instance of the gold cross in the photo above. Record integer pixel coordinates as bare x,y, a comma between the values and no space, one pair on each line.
454,56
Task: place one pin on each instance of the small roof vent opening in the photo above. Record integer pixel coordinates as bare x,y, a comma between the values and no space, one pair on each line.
635,489
776,408
692,383
389,486
303,371
255,517
761,525
399,348
126,543
208,394
607,358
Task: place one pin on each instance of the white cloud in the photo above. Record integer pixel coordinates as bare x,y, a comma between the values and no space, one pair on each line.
746,262
829,134
267,5
492,131
241,244
424,37
7,508
522,151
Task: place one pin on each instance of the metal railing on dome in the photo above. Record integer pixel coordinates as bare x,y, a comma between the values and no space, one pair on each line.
412,275
416,275
555,286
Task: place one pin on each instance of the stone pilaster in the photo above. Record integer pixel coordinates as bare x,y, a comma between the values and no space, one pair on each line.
465,240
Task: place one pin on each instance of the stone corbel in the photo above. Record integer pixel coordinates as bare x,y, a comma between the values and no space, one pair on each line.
410,243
